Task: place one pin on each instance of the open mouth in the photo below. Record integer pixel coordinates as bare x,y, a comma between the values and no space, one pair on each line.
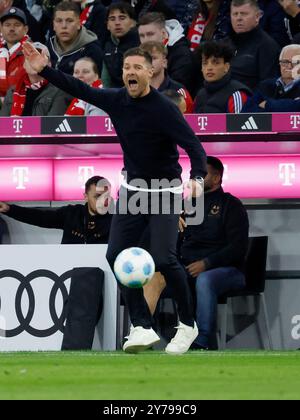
132,83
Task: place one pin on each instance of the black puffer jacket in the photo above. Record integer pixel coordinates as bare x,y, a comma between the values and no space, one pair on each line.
256,57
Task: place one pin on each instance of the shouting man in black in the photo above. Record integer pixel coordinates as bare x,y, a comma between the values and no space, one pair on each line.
149,127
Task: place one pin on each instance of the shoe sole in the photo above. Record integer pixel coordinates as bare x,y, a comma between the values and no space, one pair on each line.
139,348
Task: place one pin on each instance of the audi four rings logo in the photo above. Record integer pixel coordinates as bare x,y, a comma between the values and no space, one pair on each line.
25,319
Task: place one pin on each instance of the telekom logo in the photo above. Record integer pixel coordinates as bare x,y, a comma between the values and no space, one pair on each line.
20,176
17,125
295,121
108,124
202,123
287,172
84,173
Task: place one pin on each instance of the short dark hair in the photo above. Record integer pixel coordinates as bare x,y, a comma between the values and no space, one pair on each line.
94,181
238,3
138,51
123,7
216,164
218,49
67,6
152,17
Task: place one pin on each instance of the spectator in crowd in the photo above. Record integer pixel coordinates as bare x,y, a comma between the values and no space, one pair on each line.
292,10
89,223
34,29
33,95
14,28
211,21
273,20
220,93
279,94
256,56
143,132
71,40
160,79
123,35
93,17
85,69
214,252
181,66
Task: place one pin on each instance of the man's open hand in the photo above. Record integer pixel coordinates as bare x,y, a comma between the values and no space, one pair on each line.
36,60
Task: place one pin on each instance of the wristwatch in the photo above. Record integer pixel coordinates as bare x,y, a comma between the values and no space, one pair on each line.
199,179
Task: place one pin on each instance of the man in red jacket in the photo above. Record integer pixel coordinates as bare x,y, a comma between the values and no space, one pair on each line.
13,26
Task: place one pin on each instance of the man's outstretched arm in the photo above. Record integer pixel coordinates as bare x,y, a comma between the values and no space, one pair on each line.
102,98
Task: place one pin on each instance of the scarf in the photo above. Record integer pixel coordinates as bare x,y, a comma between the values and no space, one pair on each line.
85,14
7,55
77,106
196,31
19,95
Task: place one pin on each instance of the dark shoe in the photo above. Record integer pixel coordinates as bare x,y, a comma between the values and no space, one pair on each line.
195,346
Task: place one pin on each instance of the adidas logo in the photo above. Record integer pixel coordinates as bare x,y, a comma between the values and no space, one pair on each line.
250,124
64,127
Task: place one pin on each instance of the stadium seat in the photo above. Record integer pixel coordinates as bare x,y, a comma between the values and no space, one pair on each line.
255,285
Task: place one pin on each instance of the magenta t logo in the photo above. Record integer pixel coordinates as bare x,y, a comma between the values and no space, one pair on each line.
84,173
17,125
108,124
20,176
202,123
295,121
287,173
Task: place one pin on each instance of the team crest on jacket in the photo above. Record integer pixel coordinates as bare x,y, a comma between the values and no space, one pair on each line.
215,210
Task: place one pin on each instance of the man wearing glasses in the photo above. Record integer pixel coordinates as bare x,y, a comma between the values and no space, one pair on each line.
282,94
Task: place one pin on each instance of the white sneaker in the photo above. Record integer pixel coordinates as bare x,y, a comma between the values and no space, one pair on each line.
140,339
183,339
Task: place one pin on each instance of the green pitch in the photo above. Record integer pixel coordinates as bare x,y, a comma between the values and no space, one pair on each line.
151,375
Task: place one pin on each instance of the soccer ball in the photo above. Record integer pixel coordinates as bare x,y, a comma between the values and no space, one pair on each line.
134,267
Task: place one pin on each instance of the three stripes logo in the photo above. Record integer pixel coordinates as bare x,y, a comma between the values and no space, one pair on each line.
64,127
250,124
241,123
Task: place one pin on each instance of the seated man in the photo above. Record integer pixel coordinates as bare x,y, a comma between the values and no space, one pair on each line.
214,251
33,95
181,65
13,28
72,40
123,35
280,94
220,93
81,224
160,79
256,53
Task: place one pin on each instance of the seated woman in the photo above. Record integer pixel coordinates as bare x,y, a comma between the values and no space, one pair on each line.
85,69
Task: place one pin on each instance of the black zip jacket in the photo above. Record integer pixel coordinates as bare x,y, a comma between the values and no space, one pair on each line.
78,225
